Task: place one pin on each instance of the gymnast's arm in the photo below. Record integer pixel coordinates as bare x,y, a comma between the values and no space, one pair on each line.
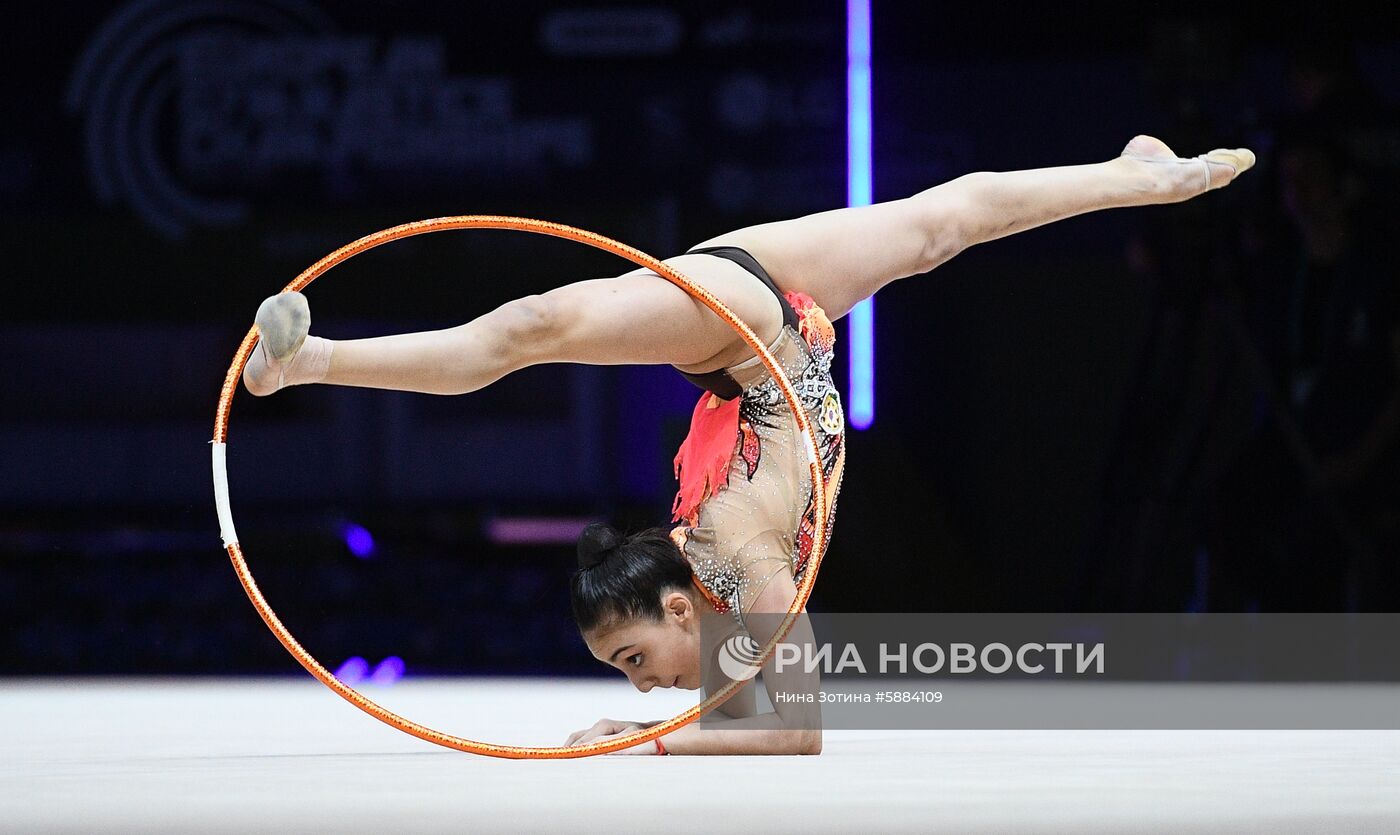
794,727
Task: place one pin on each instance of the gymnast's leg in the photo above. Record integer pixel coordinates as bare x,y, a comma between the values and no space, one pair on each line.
638,318
842,256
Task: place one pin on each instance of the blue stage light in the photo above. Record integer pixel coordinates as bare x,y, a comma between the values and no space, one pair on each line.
859,192
358,540
387,671
353,670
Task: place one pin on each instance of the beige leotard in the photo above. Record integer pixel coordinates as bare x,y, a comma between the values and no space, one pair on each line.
761,522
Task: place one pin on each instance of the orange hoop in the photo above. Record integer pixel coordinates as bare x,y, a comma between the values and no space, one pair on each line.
541,227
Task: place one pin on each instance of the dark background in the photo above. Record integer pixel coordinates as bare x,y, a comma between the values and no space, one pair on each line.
1183,408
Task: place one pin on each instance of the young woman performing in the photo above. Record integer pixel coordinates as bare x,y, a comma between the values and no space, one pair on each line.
744,502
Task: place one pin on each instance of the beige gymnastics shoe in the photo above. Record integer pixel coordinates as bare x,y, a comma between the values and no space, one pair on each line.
1238,160
1216,169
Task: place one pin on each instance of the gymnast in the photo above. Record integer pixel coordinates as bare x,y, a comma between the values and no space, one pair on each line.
745,504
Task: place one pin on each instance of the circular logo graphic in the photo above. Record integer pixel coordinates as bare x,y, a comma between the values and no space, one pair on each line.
738,657
159,92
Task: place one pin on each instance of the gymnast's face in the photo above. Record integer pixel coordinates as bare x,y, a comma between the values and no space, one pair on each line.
663,653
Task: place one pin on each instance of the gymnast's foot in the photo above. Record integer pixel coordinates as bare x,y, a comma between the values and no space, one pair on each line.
1181,179
285,355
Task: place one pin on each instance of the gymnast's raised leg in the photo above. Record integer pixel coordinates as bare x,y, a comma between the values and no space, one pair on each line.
637,318
843,256
838,257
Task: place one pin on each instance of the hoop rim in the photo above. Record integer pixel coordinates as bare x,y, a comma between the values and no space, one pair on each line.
542,227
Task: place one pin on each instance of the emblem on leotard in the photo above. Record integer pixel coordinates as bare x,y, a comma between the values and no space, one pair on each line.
831,420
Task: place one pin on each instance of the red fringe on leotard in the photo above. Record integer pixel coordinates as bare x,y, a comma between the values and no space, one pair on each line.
816,329
702,464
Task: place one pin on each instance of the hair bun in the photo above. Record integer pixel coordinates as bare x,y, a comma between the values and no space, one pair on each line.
594,544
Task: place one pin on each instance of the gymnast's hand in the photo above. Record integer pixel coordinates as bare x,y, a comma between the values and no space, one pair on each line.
643,749
604,728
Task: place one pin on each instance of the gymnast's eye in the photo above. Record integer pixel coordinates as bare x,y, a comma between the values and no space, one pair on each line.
636,660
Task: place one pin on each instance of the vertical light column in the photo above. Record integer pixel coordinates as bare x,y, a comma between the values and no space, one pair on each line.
861,333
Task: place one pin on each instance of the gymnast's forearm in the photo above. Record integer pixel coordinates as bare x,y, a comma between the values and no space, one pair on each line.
991,205
764,733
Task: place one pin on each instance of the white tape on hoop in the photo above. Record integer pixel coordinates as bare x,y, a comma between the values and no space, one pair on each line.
809,446
221,495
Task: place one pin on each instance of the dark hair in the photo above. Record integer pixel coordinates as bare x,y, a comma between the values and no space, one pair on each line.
620,578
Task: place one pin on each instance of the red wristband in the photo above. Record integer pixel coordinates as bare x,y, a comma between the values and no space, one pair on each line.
660,749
